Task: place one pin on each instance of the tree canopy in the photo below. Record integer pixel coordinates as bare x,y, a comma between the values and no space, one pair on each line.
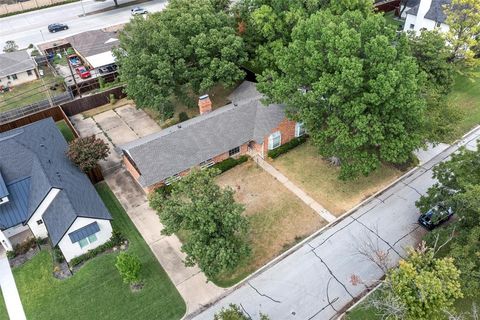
10,46
188,47
458,188
353,82
86,152
210,216
423,285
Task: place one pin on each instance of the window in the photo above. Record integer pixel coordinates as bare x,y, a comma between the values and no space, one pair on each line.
299,129
438,24
29,72
39,222
274,140
14,76
8,77
207,163
83,242
412,26
86,241
234,151
172,179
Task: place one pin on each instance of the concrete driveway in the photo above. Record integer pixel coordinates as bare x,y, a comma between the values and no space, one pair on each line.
313,281
116,127
9,289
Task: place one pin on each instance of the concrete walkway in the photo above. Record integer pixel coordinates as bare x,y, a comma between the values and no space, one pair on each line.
190,282
317,207
9,290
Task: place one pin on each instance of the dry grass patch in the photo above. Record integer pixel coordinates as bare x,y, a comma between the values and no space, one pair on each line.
305,167
278,219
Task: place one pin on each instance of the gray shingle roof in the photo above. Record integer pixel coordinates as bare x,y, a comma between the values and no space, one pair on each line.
15,62
38,151
84,232
175,149
93,42
15,211
435,12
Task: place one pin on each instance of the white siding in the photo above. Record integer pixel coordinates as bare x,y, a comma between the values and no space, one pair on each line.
39,230
7,245
10,232
71,250
419,22
22,77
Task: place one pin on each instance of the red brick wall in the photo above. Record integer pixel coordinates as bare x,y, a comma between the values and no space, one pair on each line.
287,129
130,168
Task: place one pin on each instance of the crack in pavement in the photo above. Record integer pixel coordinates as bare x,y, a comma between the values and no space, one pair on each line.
327,238
328,296
406,235
262,294
323,308
414,189
249,316
331,272
386,242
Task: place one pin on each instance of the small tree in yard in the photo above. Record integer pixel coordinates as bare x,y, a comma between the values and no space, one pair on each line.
86,152
129,268
10,46
214,222
233,312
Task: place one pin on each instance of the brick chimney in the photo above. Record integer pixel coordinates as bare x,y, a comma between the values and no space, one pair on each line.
204,104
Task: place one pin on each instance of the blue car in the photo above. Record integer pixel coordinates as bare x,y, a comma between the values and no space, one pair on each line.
54,27
435,217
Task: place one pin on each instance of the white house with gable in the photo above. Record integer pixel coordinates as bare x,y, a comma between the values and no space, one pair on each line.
426,15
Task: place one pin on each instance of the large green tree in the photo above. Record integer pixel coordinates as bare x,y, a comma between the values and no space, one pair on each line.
188,47
458,187
353,82
210,216
463,19
426,286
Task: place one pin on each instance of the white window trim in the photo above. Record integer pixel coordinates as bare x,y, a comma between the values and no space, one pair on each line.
87,239
272,138
299,125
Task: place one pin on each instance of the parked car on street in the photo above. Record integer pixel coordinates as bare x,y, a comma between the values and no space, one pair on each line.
54,27
108,68
83,72
138,10
435,217
74,60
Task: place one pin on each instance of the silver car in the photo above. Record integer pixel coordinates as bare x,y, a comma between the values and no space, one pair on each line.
138,10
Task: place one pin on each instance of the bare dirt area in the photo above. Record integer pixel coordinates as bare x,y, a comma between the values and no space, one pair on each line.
278,219
319,179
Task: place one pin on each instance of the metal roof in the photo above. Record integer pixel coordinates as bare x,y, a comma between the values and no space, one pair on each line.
15,211
178,148
84,232
3,187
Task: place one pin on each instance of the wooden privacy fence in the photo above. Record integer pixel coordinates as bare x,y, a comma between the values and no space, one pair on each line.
28,6
92,101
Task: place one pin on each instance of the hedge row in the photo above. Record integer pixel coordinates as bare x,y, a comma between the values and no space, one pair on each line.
229,163
116,240
275,153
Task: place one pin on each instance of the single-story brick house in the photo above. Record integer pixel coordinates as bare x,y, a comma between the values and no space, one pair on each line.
42,194
16,68
243,126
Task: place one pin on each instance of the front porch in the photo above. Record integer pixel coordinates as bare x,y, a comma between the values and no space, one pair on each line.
10,239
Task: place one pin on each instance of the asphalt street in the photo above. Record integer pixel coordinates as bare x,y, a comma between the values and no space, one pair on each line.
31,27
327,272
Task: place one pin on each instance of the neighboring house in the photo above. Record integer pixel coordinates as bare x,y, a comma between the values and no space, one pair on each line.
244,126
427,14
95,47
16,68
406,5
43,194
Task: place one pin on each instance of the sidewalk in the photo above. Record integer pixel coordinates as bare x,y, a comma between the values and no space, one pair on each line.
317,207
191,283
9,290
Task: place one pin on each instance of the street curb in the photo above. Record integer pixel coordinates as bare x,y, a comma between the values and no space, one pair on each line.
323,229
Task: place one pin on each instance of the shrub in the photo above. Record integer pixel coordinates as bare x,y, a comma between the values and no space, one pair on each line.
58,255
275,153
183,116
229,163
129,267
115,240
24,247
70,51
112,98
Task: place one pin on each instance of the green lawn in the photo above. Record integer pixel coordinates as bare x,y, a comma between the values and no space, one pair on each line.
65,130
96,291
30,92
466,96
3,308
